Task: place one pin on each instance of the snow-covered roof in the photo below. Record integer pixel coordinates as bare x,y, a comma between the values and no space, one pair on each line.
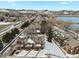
30,40
38,31
38,45
39,35
22,36
56,28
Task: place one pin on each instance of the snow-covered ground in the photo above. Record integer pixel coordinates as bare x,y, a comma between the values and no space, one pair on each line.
22,53
50,50
42,53
33,53
53,49
5,23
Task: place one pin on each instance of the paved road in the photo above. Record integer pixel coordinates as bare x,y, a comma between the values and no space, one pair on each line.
9,28
13,41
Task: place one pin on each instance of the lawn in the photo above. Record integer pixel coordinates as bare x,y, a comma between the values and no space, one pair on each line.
3,26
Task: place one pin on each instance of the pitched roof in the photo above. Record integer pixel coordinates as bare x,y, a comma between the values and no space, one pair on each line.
30,40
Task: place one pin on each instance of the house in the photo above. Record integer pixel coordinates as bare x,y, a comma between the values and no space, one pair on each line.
72,49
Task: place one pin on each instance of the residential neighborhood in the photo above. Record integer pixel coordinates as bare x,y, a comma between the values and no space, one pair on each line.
39,33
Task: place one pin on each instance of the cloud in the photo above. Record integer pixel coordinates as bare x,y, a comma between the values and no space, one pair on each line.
63,2
12,2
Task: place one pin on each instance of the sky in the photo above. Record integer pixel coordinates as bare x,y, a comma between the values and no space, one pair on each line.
40,5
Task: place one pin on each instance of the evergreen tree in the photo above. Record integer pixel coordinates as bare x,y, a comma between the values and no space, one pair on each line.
15,31
43,26
25,25
7,37
49,34
1,45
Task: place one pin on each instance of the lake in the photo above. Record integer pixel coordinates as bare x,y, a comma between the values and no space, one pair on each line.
69,19
74,27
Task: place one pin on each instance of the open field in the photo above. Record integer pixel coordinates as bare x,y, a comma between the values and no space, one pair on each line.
2,27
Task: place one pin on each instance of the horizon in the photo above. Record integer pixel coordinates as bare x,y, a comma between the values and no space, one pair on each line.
40,5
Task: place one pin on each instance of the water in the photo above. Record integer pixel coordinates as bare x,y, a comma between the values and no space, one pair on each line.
69,19
74,27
